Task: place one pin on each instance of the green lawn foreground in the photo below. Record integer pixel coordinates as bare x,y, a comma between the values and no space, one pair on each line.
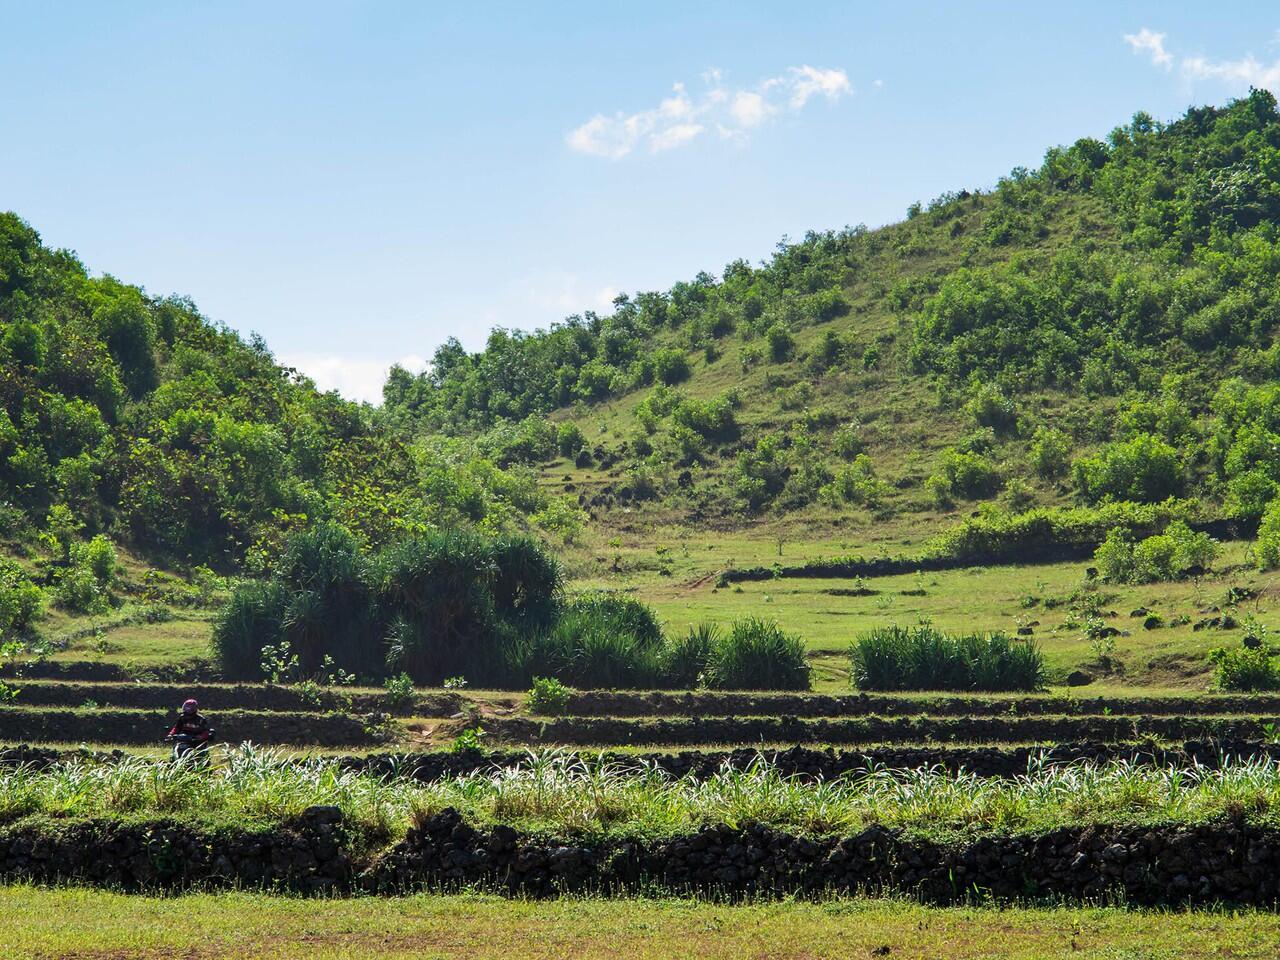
81,923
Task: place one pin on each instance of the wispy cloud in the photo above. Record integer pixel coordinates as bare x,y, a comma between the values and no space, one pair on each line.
563,293
355,379
1152,44
729,113
1245,72
1248,71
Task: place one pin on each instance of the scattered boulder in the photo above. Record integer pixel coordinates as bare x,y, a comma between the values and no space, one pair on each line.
1078,678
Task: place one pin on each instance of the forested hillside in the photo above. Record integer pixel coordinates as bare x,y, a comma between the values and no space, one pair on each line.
1099,328
132,415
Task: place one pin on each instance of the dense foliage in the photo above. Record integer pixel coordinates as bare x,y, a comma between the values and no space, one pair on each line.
922,658
446,605
136,416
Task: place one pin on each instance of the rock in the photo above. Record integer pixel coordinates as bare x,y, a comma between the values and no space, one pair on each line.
323,813
1078,678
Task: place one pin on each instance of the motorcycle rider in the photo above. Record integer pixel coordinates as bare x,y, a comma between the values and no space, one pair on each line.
191,729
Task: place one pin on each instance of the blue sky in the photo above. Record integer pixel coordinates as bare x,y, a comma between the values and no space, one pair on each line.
357,182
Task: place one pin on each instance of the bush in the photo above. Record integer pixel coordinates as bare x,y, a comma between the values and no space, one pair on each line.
1050,452
20,600
1143,469
600,640
995,534
1178,552
1248,670
433,606
989,407
685,658
548,697
757,655
1114,557
671,366
781,343
253,617
399,691
1266,549
857,483
922,658
569,439
965,474
84,585
847,442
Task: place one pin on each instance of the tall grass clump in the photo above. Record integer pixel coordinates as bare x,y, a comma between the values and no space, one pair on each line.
922,658
684,658
600,640
756,655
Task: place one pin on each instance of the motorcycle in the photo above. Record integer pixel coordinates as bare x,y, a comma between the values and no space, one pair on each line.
187,745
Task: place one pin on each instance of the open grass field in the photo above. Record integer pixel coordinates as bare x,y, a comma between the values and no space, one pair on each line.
42,924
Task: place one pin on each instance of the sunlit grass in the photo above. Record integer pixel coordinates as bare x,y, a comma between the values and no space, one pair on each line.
563,792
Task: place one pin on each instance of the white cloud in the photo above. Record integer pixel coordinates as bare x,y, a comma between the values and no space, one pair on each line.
806,82
1246,72
680,118
355,379
566,293
1151,43
674,136
749,109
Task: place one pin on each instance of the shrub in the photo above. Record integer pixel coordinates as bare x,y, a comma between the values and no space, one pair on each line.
989,407
781,343
569,439
922,658
685,658
1114,557
858,483
757,655
600,640
433,606
1266,549
548,697
939,491
965,474
1050,452
85,583
1143,469
251,618
995,534
847,442
399,690
20,600
671,366
1172,555
1245,669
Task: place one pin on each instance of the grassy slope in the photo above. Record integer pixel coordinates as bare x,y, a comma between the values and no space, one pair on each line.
81,923
903,421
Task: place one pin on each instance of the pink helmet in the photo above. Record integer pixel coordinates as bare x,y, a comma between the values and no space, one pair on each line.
190,706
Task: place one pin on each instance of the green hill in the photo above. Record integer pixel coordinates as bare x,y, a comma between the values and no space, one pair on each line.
1085,352
1099,328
